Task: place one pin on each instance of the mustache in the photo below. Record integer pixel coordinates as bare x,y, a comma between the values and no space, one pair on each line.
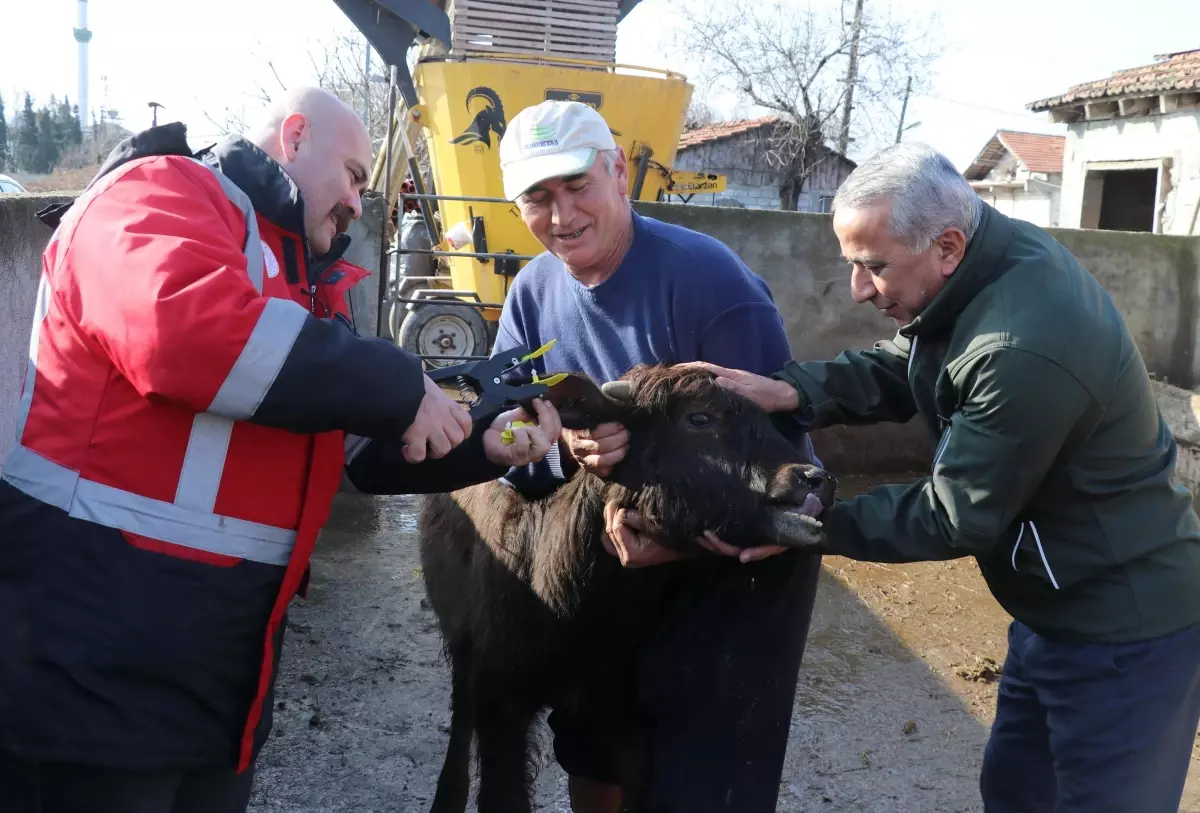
342,215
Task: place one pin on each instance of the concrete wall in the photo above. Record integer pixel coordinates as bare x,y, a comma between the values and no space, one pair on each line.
1181,410
22,239
1153,279
799,258
1175,137
365,235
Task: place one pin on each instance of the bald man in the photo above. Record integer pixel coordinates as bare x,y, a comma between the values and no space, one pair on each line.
195,396
332,173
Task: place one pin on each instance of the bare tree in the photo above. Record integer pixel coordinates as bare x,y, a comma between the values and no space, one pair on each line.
341,66
699,114
258,93
795,60
338,63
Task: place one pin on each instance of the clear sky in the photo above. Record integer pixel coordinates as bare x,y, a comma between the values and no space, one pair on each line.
997,56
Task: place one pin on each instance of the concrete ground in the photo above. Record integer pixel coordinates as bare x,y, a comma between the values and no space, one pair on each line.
895,696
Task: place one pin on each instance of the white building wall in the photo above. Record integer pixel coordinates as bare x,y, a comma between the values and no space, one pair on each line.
1032,207
1038,204
1175,136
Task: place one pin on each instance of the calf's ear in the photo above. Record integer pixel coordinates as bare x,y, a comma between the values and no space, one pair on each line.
581,404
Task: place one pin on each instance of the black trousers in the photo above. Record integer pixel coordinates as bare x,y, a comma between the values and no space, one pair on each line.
52,787
717,687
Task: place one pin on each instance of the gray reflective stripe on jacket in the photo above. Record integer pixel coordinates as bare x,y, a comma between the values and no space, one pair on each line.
189,520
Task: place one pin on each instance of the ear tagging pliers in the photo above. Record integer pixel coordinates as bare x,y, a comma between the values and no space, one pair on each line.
481,385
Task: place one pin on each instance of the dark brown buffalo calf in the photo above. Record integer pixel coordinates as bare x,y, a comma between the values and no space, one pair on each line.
535,614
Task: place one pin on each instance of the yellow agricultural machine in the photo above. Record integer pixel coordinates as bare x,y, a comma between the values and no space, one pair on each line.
479,65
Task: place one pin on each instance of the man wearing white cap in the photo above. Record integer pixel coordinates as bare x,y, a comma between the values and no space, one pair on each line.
617,289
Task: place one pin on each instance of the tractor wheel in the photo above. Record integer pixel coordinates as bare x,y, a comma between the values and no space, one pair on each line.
397,312
436,329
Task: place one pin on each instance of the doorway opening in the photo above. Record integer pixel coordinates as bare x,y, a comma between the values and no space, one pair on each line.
1124,198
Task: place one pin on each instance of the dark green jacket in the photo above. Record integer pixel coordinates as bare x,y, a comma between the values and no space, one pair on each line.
1054,467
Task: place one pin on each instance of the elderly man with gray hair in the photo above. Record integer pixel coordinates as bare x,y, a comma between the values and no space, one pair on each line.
1053,468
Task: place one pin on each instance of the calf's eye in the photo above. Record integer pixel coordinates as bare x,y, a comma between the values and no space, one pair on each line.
698,420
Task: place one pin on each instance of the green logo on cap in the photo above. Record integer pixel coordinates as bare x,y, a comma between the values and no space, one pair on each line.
541,135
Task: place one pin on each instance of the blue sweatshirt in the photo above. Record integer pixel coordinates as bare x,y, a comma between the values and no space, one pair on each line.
678,296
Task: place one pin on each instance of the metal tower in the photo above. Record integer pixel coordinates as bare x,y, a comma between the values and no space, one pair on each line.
83,36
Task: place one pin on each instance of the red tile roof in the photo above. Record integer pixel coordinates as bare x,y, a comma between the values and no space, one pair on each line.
1173,72
1036,152
722,129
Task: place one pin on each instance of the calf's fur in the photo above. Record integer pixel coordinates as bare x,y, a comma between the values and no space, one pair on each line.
535,614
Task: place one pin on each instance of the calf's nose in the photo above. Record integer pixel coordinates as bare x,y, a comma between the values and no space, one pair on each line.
794,482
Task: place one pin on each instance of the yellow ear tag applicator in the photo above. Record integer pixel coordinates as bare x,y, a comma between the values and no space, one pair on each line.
507,435
541,351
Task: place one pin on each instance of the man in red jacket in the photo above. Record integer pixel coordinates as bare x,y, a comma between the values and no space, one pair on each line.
195,395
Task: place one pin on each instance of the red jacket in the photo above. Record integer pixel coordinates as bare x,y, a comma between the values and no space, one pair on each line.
180,441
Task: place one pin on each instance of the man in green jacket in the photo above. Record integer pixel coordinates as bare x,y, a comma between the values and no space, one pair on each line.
1053,468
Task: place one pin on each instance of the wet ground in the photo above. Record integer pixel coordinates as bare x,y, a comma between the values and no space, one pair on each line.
895,697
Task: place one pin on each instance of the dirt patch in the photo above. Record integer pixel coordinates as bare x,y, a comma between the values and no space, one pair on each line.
984,670
883,720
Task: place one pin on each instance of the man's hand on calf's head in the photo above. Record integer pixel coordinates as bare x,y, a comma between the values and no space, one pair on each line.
770,394
625,537
441,424
714,544
803,532
598,450
797,527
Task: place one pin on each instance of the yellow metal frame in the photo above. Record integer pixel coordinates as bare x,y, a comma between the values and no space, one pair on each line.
465,105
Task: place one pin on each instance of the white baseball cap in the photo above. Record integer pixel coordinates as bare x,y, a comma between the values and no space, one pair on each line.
553,139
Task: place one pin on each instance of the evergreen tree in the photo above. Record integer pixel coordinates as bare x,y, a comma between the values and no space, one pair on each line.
47,143
74,128
59,113
50,111
67,131
27,138
3,138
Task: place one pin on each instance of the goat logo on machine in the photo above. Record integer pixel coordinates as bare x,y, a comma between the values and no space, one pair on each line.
490,119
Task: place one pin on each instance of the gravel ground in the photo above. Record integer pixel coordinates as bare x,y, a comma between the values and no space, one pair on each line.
883,719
